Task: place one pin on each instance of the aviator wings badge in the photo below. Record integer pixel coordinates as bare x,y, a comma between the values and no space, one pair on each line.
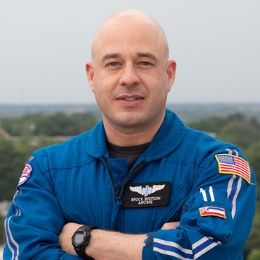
147,190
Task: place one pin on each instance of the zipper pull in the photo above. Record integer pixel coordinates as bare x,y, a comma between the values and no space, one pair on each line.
117,195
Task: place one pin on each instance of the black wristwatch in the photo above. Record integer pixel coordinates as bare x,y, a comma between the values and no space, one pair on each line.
80,241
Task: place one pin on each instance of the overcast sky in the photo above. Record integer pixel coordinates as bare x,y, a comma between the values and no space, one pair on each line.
45,44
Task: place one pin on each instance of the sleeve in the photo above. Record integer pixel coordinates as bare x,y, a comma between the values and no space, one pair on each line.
217,216
35,218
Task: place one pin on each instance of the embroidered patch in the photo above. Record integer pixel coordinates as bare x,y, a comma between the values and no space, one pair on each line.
146,195
212,211
231,164
26,174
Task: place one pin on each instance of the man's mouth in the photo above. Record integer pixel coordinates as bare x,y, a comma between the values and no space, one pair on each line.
130,97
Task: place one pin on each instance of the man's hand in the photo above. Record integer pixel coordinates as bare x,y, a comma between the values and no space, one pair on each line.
65,237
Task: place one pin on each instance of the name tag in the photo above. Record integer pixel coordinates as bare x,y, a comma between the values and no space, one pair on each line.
141,195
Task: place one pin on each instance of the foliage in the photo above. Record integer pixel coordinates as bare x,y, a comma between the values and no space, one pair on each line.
254,239
210,125
240,133
58,124
254,255
234,129
61,124
11,161
2,239
253,153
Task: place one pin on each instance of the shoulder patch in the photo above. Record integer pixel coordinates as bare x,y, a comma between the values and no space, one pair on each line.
212,211
26,174
232,164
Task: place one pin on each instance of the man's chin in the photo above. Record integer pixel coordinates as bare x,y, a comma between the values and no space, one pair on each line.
130,122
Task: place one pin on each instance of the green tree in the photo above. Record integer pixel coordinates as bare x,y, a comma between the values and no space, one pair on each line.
254,238
242,133
253,153
210,125
235,129
60,124
254,255
11,164
2,237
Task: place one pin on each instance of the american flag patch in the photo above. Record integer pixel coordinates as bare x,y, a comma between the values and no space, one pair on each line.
212,211
231,164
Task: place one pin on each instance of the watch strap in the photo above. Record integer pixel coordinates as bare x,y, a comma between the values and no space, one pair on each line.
81,249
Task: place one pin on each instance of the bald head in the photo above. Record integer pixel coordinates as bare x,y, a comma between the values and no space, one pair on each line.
128,22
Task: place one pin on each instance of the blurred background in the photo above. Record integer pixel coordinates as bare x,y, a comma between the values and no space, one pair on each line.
45,98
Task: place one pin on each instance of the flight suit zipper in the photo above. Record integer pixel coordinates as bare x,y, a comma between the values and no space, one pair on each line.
129,177
119,191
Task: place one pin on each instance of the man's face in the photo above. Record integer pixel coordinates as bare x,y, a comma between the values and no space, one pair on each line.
130,75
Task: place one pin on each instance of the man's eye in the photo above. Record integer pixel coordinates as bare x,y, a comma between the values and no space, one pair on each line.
145,64
113,64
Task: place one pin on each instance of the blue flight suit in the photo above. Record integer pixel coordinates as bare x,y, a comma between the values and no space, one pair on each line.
183,175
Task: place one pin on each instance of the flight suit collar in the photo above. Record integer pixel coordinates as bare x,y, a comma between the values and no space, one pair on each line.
168,138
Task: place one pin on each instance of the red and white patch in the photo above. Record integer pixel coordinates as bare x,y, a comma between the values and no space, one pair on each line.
212,211
26,174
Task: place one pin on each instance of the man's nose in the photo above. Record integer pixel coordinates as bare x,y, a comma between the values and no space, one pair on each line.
129,76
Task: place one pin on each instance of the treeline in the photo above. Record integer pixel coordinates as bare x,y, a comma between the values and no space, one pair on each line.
19,137
58,124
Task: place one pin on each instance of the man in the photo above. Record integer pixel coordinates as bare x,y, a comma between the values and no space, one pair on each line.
140,184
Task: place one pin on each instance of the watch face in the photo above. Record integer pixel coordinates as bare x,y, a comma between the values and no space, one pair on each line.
78,238
80,241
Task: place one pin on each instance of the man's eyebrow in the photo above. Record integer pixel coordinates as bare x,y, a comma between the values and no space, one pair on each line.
146,55
139,55
110,56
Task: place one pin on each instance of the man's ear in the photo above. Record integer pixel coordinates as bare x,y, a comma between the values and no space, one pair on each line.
171,70
90,74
